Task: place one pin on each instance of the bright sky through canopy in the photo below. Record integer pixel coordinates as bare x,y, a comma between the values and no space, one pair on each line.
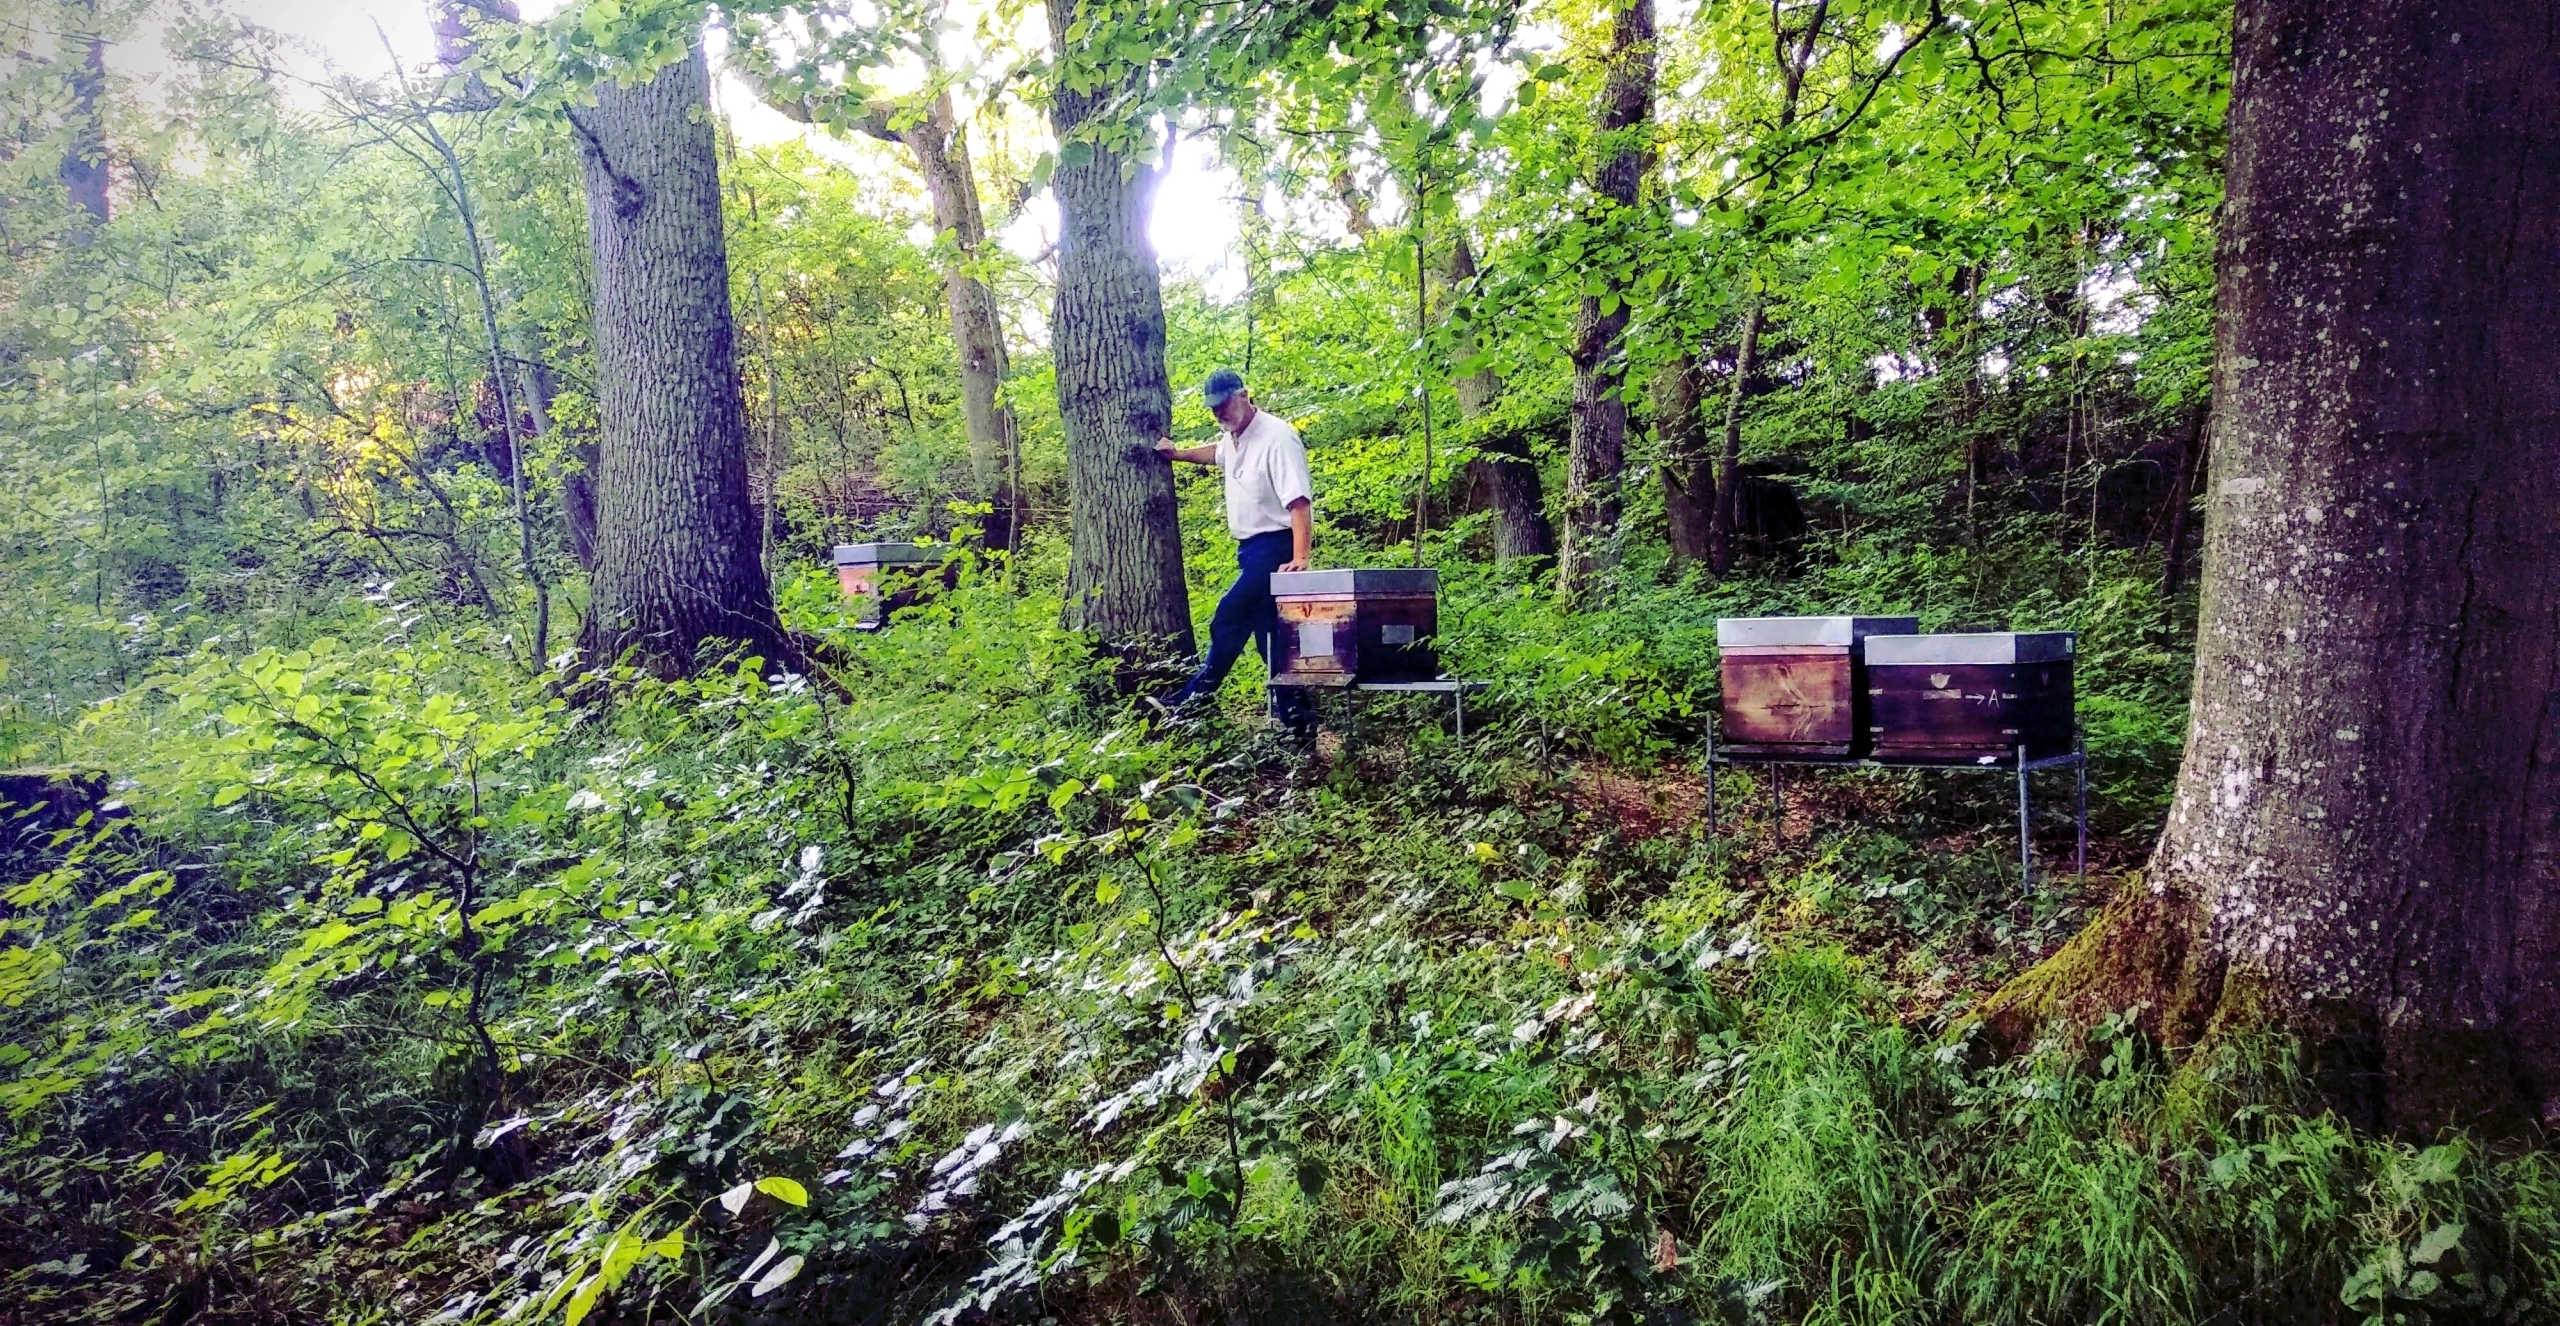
1195,225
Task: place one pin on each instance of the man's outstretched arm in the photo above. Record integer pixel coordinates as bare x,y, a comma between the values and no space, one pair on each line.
1200,455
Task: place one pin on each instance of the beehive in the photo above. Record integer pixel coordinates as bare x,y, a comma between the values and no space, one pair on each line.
886,576
1964,697
1338,628
1795,685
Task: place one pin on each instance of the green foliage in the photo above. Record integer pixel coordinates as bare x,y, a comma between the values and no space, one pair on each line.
429,979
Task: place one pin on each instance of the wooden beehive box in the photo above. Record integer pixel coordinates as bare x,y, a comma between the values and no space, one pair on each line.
1795,686
1965,697
1338,628
887,576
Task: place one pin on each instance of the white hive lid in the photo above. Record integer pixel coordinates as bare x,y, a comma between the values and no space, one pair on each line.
1970,647
1747,632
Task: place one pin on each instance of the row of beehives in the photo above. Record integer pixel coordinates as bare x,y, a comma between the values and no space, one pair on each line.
1850,688
1337,628
1840,688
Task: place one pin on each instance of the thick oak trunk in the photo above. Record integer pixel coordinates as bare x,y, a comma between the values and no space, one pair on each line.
1688,469
1597,455
675,536
1124,570
1502,480
2363,847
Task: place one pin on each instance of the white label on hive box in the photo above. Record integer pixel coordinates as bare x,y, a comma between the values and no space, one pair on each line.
1400,633
1315,639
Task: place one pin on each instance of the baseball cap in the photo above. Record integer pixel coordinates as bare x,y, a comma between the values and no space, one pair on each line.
1221,387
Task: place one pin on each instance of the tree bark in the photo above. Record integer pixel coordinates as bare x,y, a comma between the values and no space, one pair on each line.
84,161
1746,361
2364,847
1688,474
675,543
1597,455
1502,478
1124,570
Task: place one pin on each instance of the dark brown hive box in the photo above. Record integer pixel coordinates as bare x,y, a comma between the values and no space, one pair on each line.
1793,685
1342,627
887,574
1960,698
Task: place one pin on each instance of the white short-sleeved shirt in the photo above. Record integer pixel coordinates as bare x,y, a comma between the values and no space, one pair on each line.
1266,470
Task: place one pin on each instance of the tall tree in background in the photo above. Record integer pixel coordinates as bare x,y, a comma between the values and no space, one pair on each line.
84,159
676,538
940,144
2364,847
1502,479
1688,468
1796,50
1596,459
1124,572
809,61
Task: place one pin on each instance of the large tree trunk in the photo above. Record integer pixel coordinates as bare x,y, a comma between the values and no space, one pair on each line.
2363,847
84,161
675,543
1502,479
941,147
1597,455
1124,572
1688,471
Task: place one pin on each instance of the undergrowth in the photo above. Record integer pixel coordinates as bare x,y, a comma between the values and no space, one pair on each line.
942,987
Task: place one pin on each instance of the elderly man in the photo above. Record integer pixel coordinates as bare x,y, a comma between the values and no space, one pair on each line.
1271,512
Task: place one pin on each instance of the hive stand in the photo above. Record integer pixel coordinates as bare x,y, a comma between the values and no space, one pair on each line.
2076,760
1455,688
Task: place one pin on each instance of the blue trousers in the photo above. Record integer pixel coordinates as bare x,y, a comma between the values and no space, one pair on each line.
1247,612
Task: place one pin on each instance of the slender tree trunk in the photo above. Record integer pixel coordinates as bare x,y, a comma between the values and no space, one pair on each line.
1124,571
1596,458
2182,501
675,549
84,162
1795,51
941,147
1728,485
1688,472
1502,478
2364,846
1252,165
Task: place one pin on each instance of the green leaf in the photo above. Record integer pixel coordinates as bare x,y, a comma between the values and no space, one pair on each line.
582,1302
784,1190
2439,1241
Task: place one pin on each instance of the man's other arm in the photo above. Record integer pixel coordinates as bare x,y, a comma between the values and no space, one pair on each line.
1296,489
1302,535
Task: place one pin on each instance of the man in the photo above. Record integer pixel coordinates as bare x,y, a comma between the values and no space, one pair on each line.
1271,512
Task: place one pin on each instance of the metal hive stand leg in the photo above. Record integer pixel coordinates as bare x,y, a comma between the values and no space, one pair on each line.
1711,778
2026,876
1777,806
2080,812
